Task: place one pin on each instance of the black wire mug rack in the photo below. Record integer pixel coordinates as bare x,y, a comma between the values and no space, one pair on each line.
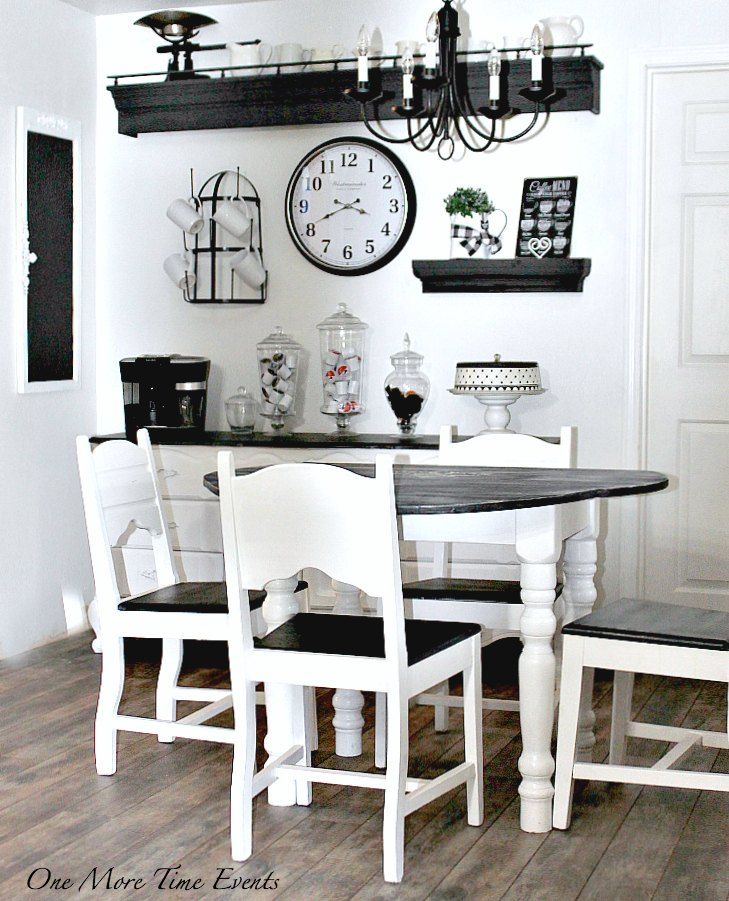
211,251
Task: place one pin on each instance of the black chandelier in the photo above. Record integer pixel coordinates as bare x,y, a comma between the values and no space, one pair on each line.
444,110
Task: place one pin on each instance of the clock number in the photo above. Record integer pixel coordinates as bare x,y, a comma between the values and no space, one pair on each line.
385,230
326,242
370,246
347,252
372,165
310,183
349,159
394,205
303,206
386,182
330,167
310,230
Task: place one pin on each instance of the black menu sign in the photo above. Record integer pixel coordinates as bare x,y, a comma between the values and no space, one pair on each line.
547,211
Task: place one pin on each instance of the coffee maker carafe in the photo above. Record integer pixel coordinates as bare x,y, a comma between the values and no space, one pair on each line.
165,392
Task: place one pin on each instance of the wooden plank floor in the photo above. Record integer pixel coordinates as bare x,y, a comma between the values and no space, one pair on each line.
168,805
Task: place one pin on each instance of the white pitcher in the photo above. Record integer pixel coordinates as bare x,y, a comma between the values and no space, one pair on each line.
562,30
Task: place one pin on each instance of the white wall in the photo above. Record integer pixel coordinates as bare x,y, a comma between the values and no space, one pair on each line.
47,63
578,339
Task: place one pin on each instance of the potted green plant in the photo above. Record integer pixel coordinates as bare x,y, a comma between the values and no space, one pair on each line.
470,210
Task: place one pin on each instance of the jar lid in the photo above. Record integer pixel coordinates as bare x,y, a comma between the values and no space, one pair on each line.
343,320
406,355
280,339
241,393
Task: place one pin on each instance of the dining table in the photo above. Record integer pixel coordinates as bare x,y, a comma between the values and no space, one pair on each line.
551,511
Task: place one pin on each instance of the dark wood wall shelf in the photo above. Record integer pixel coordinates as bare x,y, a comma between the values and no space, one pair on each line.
317,97
521,274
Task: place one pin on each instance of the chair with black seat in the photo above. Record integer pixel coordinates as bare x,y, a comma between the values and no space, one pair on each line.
278,521
639,637
495,604
121,495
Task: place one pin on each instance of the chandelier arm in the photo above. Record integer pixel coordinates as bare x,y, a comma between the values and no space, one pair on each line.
433,112
521,134
474,148
413,139
383,136
459,115
474,114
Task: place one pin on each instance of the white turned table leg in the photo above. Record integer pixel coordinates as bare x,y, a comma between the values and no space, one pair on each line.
92,614
280,604
348,720
580,594
538,547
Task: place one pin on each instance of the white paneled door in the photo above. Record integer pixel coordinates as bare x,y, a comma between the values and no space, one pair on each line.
687,415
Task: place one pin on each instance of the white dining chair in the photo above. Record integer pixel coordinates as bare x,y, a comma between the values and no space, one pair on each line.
285,518
121,496
494,604
639,637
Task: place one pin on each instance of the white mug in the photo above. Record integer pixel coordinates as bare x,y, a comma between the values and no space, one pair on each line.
514,42
248,265
234,216
476,44
319,53
402,47
287,54
249,55
178,268
186,216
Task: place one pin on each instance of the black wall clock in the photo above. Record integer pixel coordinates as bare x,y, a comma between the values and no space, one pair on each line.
350,206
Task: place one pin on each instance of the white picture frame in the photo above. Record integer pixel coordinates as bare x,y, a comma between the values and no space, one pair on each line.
32,121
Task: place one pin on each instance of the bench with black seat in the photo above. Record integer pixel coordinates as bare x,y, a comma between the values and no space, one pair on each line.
639,637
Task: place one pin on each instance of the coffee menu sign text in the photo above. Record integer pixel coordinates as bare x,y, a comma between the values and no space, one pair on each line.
547,213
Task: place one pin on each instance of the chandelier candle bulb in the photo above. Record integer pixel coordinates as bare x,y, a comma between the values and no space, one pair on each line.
431,35
408,65
537,48
363,60
494,75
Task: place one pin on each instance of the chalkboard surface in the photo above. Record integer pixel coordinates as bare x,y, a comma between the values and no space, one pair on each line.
50,223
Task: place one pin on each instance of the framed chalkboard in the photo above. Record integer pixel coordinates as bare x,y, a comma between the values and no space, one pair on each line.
48,251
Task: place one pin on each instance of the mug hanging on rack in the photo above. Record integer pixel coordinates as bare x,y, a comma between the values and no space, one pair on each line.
229,206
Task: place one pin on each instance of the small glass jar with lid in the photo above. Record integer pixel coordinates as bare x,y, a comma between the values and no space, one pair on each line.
278,369
407,387
241,410
342,341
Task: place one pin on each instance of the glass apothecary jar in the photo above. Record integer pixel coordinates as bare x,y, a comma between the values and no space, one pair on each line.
342,340
407,387
240,410
278,370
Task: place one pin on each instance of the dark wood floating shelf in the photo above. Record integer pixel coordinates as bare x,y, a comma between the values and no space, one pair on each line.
302,98
521,274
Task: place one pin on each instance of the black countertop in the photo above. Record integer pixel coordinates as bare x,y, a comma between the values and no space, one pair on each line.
423,489
291,439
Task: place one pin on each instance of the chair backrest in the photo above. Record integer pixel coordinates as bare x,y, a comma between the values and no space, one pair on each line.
507,449
121,495
487,449
285,518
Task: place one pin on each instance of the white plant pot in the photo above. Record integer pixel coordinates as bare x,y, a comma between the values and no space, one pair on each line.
458,251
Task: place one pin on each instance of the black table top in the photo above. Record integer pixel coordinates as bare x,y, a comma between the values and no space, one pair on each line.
423,489
291,439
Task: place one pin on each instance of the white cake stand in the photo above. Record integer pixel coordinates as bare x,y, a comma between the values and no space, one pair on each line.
497,405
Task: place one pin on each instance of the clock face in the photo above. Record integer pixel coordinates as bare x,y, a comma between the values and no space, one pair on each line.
350,206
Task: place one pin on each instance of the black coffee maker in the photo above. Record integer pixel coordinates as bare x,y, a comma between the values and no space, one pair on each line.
165,392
